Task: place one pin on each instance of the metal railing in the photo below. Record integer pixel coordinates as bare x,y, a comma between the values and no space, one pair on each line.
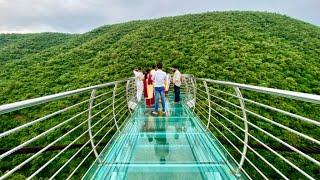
247,127
60,135
95,115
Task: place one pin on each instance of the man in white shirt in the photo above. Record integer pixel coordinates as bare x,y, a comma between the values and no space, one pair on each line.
177,83
159,78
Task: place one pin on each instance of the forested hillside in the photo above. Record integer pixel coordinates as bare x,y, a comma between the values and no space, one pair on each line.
246,47
255,48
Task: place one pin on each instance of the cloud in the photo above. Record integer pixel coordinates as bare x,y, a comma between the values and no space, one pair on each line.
77,16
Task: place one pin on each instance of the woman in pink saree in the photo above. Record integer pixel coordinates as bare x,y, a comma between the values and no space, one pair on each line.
148,89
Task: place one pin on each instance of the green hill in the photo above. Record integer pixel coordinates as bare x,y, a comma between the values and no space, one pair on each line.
247,47
256,48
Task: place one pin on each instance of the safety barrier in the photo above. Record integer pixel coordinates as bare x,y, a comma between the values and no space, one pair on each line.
95,115
88,119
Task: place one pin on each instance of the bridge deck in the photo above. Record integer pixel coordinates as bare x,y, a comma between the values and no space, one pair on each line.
164,147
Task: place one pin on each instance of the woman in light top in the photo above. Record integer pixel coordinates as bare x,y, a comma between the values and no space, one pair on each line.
153,70
167,84
139,82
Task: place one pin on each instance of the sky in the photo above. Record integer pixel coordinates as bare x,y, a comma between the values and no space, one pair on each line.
79,16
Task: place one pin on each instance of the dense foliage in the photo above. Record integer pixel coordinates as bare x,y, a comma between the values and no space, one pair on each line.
256,48
248,47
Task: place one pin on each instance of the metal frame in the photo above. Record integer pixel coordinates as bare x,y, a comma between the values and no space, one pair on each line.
245,144
194,86
37,101
209,102
113,108
310,98
121,104
93,94
127,95
253,137
211,113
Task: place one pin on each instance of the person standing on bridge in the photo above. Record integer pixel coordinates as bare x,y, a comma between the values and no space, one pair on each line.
167,85
148,89
177,83
139,82
152,72
159,79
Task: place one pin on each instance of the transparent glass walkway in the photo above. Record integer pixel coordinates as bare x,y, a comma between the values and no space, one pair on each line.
164,147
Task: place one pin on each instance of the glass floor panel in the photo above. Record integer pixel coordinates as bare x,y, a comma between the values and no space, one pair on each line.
164,147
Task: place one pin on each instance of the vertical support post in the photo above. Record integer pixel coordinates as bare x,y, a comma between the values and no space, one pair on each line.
93,94
127,94
187,91
193,82
209,102
245,145
113,108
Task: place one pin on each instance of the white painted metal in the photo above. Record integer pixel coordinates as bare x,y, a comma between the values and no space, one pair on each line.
192,91
14,130
194,87
93,93
36,101
209,102
235,147
273,109
63,150
103,150
260,142
33,102
128,95
39,152
252,149
245,144
83,146
276,92
113,109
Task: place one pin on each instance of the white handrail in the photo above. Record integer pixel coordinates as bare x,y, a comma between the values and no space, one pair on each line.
310,98
120,102
117,112
273,108
268,120
278,92
16,129
36,101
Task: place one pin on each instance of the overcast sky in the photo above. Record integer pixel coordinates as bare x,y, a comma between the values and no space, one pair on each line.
78,16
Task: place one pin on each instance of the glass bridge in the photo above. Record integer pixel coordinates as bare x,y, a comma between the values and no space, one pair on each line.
164,147
220,130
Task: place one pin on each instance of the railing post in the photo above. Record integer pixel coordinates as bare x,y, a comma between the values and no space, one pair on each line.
93,94
187,91
209,102
127,94
194,83
113,108
245,145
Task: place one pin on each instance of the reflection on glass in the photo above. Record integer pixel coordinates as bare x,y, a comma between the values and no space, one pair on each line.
161,146
149,128
178,123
